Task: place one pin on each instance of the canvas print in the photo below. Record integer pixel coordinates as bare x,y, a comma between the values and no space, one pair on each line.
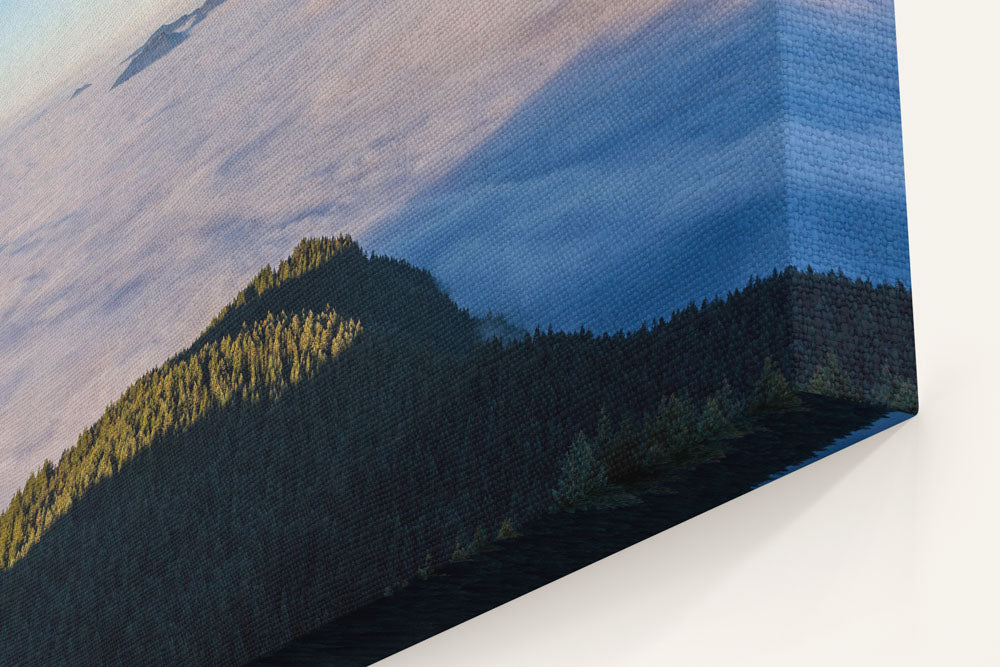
327,325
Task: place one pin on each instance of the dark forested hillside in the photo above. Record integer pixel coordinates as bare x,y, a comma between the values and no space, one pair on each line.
339,427
380,291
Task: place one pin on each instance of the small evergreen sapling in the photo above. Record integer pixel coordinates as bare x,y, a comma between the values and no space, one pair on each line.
507,530
624,454
895,392
832,380
772,393
719,417
583,476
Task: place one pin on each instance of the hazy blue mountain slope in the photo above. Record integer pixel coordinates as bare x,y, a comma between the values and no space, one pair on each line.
844,138
708,146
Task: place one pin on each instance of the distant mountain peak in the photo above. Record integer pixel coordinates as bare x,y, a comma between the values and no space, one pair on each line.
80,90
166,38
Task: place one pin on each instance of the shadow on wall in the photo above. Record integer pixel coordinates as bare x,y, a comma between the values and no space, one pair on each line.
646,174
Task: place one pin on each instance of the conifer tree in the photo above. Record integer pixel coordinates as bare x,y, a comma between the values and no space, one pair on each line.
893,391
904,398
831,379
625,455
882,393
771,392
717,419
220,467
672,434
582,477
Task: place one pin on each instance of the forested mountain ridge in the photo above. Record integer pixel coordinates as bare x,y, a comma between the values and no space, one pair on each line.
324,271
254,349
339,427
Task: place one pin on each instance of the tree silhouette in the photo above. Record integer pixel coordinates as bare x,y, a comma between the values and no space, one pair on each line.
341,422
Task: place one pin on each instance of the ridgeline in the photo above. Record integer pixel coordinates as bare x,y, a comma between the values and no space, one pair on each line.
341,428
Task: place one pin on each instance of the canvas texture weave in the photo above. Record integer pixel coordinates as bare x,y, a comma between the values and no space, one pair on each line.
327,326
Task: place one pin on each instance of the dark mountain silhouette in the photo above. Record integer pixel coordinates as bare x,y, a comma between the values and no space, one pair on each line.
555,545
341,428
166,38
79,90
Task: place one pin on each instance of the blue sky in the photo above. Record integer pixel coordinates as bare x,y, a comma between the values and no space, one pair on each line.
44,42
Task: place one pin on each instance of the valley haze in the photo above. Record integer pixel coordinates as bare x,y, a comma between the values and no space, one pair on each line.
549,160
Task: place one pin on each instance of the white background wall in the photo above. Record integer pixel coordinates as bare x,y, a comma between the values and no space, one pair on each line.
887,553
